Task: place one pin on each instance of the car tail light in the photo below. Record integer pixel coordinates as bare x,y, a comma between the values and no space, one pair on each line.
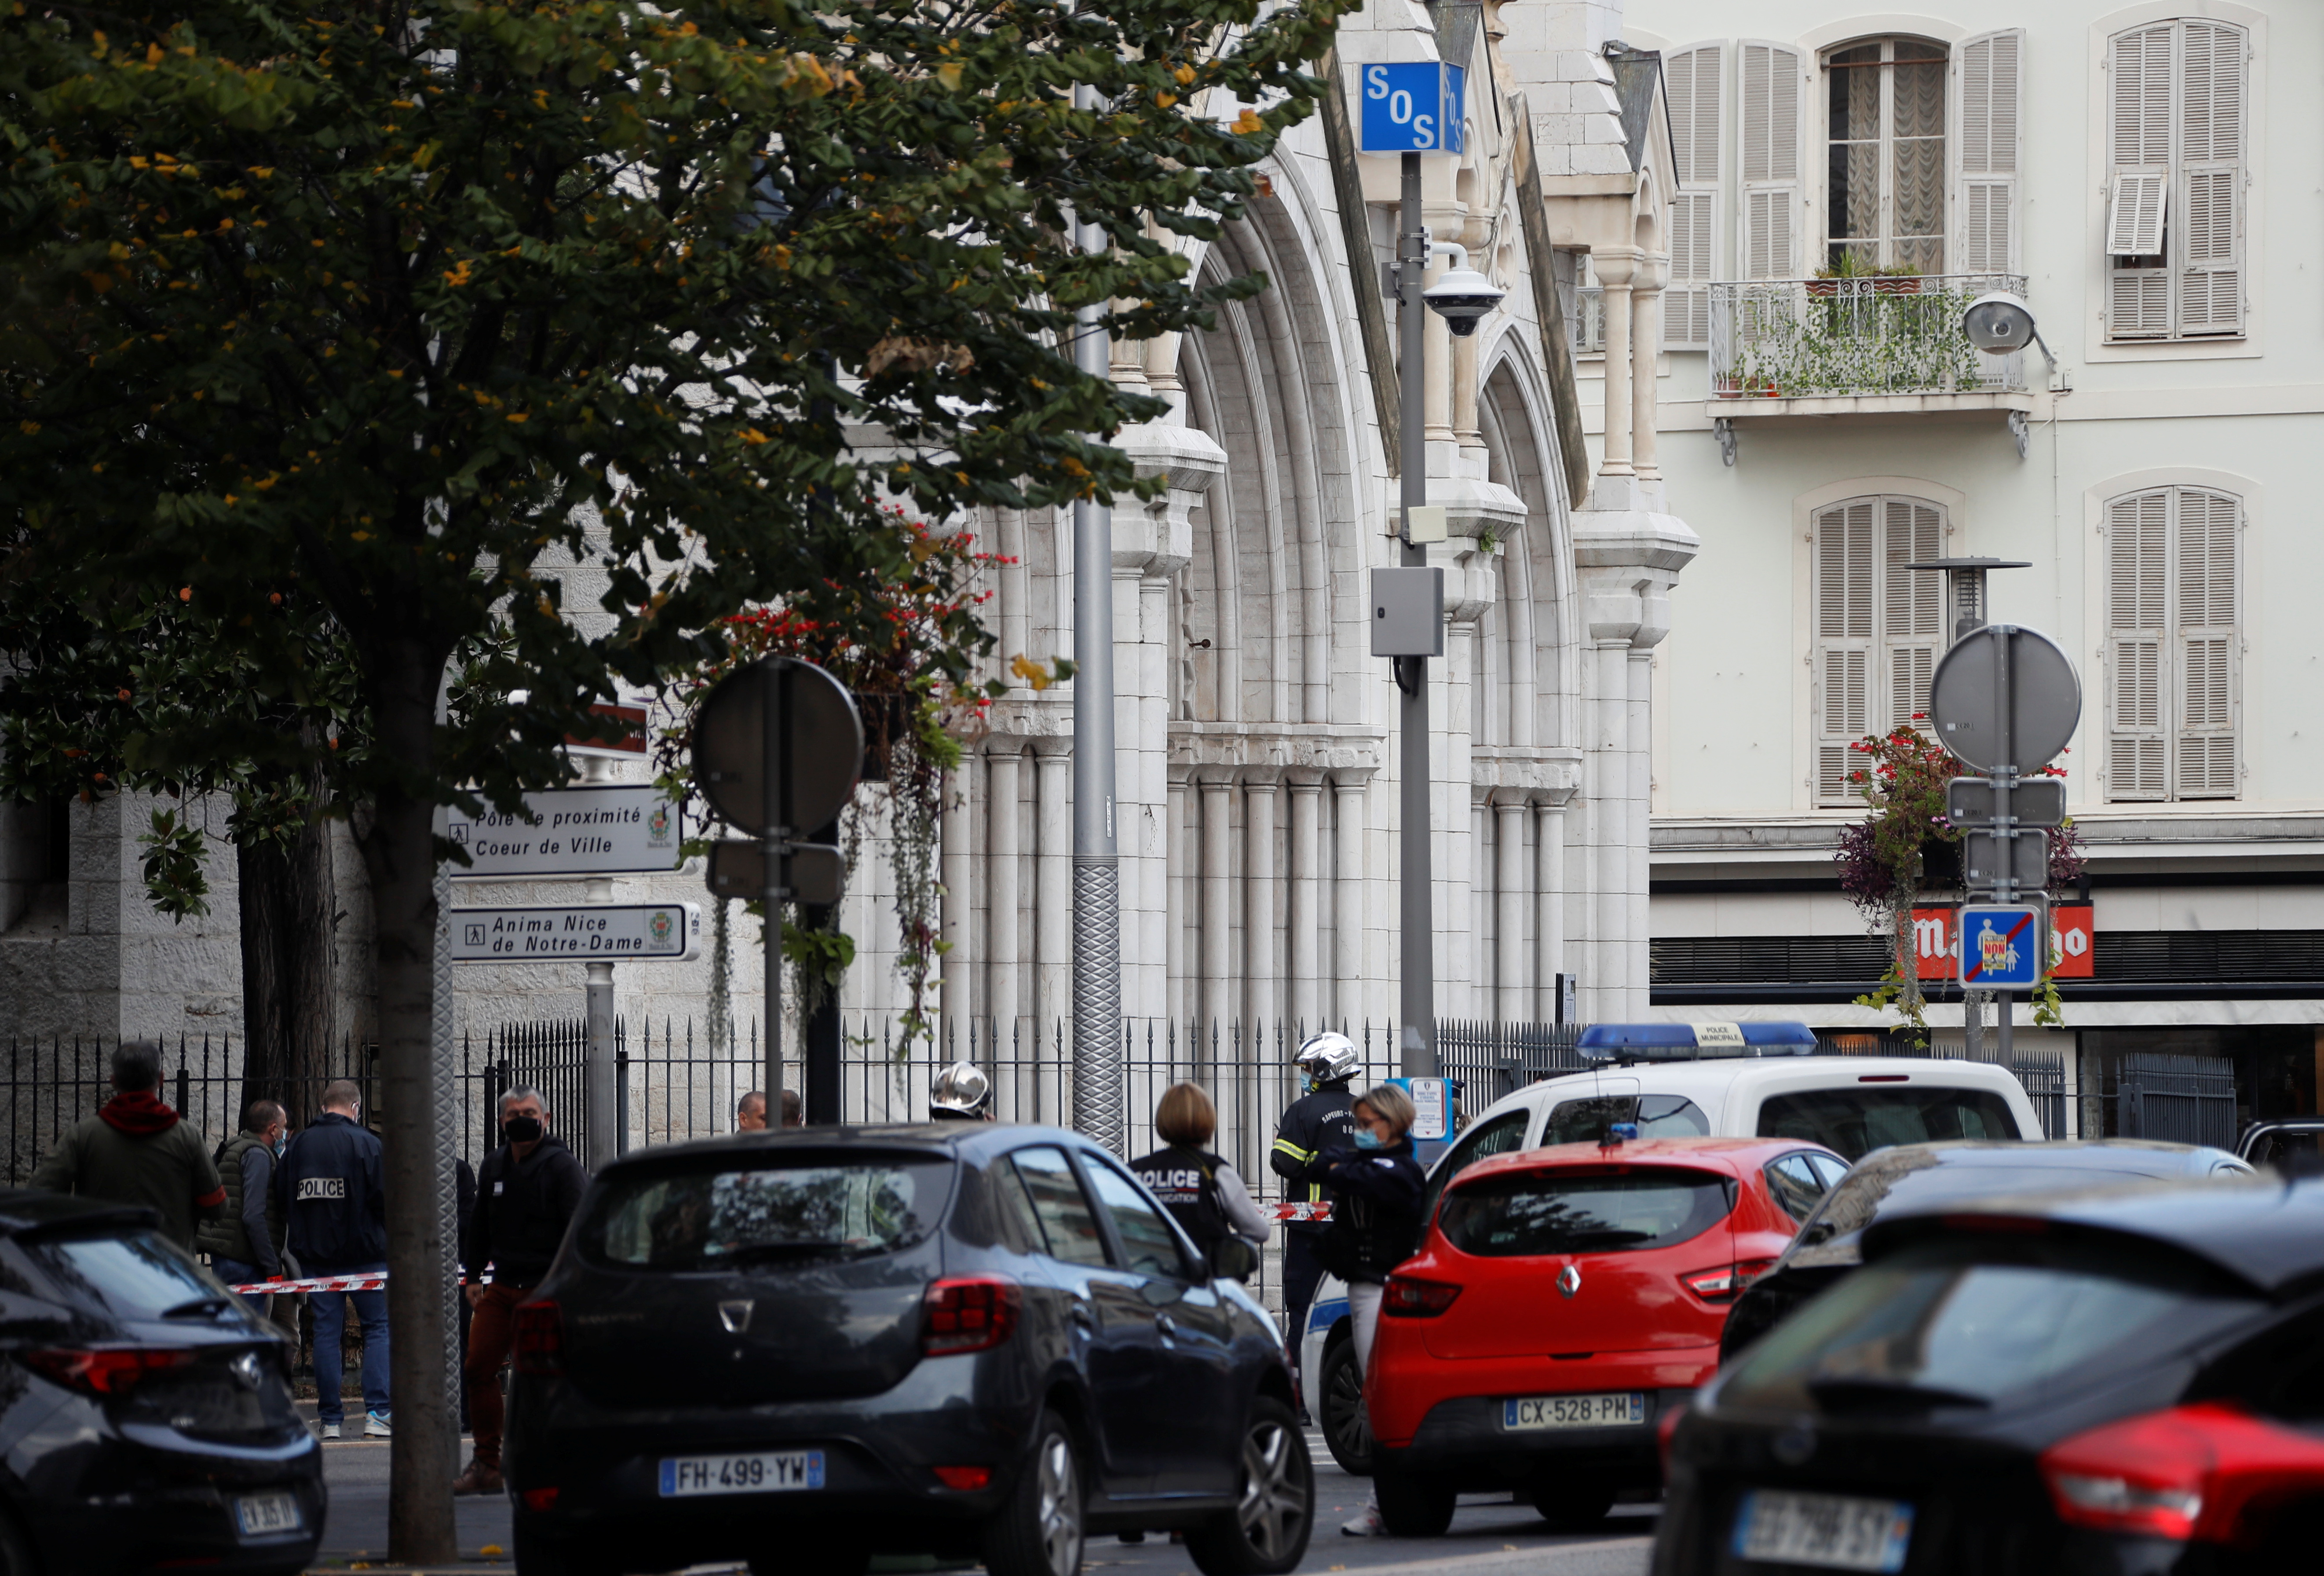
1666,1427
970,1312
540,1347
1406,1298
539,1500
2189,1472
1724,1285
965,1479
104,1370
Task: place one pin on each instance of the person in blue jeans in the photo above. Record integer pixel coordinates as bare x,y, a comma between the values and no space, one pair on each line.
333,1189
245,1243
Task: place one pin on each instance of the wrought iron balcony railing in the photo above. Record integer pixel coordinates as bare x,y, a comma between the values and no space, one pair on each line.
1802,338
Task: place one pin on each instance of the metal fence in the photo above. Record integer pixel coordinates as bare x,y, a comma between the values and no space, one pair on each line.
1785,338
2182,1099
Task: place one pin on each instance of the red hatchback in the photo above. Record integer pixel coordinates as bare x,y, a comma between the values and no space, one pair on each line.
1564,1301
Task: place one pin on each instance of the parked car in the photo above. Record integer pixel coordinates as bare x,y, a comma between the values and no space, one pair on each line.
1562,1300
2286,1143
2119,1382
802,1348
1740,1080
146,1415
1915,1176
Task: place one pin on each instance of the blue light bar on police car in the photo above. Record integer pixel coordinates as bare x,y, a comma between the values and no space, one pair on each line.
1691,1041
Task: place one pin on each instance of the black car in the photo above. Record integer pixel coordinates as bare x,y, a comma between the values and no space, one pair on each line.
1916,1176
2289,1143
2125,1383
146,1415
803,1349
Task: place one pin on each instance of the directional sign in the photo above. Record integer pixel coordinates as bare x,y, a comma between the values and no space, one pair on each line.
2035,801
815,872
2022,855
571,832
1413,107
585,932
2002,948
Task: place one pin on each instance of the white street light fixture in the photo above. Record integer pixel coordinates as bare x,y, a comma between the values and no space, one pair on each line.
1460,296
2000,323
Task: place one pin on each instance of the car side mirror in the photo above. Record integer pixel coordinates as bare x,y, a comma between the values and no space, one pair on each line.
1234,1260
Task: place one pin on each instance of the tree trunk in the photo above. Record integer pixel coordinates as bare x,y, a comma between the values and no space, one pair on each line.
399,850
290,969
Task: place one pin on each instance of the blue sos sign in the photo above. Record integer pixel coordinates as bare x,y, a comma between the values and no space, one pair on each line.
1412,108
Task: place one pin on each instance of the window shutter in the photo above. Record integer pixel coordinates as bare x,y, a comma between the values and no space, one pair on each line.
1694,82
2137,583
1912,605
1989,150
2211,152
2208,642
2139,72
1768,94
1843,654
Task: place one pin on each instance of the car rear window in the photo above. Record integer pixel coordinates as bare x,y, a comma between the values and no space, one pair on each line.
769,1209
1657,1115
1583,1212
1857,1120
135,1273
1982,1322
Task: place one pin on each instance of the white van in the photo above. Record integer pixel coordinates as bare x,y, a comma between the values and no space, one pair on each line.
1673,1080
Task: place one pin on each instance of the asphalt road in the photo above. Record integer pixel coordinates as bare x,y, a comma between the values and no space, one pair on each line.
1489,1534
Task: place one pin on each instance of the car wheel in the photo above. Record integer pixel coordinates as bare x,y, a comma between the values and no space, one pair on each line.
1266,1534
1572,1507
1347,1431
1039,1531
1413,1505
538,1554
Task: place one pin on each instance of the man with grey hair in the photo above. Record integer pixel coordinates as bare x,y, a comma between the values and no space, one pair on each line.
526,1192
135,1151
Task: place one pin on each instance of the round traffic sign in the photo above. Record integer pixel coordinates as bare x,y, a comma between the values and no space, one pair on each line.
1966,699
822,743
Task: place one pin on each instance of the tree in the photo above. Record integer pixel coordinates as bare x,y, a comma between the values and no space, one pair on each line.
404,306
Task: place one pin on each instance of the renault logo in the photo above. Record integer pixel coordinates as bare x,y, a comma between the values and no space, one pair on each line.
735,1315
1569,1280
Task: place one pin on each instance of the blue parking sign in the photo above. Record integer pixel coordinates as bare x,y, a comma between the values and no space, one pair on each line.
2003,948
1412,107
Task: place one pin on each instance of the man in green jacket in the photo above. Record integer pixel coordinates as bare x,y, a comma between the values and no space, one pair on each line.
135,1151
245,1243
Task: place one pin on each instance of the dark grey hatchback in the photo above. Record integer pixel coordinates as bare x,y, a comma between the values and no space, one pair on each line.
803,1349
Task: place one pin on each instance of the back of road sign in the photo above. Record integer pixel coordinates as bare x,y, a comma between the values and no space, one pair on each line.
2044,696
823,744
1412,107
2035,801
2003,948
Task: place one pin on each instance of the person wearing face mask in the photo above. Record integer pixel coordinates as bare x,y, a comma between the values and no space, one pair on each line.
1376,1191
246,1244
333,1187
526,1192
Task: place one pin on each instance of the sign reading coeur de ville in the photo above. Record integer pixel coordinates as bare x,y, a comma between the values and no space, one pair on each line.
584,933
575,832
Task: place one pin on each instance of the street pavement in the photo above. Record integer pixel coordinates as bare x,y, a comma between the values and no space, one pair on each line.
1490,1536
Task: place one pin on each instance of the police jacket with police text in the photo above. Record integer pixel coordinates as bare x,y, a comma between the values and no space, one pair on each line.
1311,1124
1375,1221
1185,1181
522,1208
333,1189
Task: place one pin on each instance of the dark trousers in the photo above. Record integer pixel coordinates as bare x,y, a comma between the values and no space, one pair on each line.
1302,1272
491,1331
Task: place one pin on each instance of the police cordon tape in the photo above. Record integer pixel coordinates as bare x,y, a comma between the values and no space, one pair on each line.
1318,1212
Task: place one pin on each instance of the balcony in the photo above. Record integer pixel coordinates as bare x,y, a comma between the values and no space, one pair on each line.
1866,346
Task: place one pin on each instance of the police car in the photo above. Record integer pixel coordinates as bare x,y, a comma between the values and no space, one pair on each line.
1677,1079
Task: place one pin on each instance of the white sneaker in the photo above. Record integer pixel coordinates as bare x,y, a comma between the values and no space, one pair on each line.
330,1431
1367,1525
376,1425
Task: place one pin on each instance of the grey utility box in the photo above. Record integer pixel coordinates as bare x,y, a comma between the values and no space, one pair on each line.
1408,613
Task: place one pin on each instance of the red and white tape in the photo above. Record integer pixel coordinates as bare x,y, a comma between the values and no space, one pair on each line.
1316,1211
319,1283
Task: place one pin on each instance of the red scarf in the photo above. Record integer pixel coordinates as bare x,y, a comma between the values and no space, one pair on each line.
141,1115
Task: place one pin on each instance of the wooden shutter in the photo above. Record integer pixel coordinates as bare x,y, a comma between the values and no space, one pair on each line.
1694,83
1912,605
2139,71
1768,97
1988,71
1844,546
2138,588
2211,161
2209,643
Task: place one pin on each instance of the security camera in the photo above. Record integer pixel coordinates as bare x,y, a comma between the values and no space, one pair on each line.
1998,323
1464,296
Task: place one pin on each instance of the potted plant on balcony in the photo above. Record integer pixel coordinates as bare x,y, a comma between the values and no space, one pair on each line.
1896,280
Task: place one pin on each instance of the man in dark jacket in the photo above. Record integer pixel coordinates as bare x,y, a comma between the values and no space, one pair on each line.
1317,1122
526,1195
333,1187
246,1244
135,1151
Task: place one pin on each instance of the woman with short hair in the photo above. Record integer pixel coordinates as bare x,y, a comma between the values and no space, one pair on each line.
1200,1189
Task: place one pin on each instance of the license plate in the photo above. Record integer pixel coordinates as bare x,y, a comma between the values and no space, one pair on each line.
1835,1531
773,1472
1619,1410
260,1514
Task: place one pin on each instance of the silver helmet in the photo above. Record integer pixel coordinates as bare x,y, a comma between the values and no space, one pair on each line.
960,1090
1327,1059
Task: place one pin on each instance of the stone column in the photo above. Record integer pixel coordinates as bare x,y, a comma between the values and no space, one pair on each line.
1615,268
1179,1002
1645,350
954,997
1262,899
1610,796
1549,905
1302,922
1635,925
1348,801
1004,898
1217,925
1053,903
1511,989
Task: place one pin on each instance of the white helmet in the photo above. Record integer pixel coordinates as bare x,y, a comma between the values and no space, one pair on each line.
1327,1059
961,1091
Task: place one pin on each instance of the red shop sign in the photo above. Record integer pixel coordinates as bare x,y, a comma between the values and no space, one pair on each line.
1936,942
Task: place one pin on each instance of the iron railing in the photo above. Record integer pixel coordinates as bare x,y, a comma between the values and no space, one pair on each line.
2180,1100
1792,338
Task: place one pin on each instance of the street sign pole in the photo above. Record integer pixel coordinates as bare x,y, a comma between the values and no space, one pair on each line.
2005,778
775,823
1417,997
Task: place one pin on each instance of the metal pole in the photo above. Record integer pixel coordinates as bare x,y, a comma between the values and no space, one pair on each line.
1416,1001
597,1065
777,810
1097,889
819,1036
2005,778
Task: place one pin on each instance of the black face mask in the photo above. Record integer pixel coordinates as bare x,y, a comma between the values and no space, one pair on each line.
521,1129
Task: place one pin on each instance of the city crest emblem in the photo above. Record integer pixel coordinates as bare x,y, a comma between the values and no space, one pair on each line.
658,823
660,923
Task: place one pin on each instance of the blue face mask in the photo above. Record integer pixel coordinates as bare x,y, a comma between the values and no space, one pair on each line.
281,1145
1367,1140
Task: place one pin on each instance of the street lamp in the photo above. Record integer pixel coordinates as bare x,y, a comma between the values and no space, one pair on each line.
2000,324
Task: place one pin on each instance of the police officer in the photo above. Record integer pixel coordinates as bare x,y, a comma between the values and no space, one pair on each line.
1198,1188
1317,1122
961,1094
333,1188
